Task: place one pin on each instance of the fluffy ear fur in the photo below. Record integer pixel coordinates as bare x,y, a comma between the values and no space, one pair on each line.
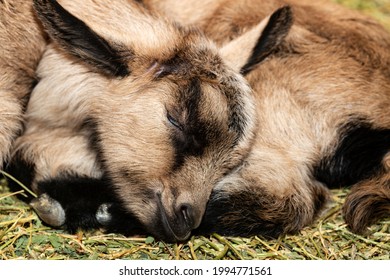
248,50
80,40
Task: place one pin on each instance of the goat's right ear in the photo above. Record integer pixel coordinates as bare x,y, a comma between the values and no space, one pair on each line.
252,47
80,40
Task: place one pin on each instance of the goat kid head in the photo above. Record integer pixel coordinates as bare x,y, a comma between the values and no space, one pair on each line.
174,113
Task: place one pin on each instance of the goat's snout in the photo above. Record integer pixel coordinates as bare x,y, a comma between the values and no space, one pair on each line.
186,215
178,225
177,220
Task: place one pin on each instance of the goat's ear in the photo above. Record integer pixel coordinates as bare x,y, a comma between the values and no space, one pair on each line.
251,48
80,40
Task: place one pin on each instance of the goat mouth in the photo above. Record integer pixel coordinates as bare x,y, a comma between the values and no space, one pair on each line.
168,229
169,233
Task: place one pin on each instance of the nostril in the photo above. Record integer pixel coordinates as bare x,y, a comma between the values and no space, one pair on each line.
186,211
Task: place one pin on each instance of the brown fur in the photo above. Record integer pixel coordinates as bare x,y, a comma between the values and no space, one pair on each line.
250,164
141,149
223,20
333,58
22,43
368,202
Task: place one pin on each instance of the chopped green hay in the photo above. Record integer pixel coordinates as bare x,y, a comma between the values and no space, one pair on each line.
379,9
23,236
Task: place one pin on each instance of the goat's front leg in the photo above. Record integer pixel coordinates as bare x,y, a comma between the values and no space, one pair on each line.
268,196
369,200
60,167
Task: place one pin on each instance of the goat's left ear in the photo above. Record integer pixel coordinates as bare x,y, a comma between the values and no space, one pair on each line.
252,47
80,40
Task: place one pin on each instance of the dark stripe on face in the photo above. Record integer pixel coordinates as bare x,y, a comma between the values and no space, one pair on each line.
190,136
358,156
237,117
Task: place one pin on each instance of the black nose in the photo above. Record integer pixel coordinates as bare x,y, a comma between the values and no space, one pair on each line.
185,214
178,225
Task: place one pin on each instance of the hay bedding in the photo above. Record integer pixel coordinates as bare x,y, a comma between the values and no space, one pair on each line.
23,236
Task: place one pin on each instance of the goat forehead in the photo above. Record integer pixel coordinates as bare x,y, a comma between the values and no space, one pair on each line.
190,95
210,105
211,119
192,138
193,56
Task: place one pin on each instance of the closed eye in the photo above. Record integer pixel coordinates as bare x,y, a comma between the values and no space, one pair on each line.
174,122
